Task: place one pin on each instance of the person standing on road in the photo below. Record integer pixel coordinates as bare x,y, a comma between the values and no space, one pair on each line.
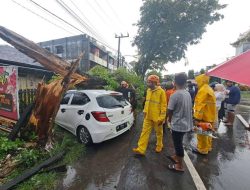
204,111
128,93
170,89
232,99
154,115
219,91
181,119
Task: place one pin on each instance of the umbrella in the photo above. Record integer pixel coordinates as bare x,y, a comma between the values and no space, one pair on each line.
236,69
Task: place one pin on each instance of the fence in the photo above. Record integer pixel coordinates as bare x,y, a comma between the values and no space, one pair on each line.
26,97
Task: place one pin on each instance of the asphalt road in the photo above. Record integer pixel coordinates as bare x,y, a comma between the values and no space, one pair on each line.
112,165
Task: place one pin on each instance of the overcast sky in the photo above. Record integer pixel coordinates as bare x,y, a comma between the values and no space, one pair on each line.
110,17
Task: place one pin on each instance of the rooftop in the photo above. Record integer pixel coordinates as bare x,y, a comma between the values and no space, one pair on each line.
9,53
245,37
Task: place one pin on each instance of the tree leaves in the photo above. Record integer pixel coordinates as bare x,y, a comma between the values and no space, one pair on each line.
167,27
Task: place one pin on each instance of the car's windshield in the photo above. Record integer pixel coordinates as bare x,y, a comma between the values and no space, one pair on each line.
111,101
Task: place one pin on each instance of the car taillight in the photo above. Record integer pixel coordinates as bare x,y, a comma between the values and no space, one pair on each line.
100,116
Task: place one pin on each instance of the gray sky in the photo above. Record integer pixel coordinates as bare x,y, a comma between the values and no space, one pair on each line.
110,17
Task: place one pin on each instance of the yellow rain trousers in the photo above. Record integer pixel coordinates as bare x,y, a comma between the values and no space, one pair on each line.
154,115
204,110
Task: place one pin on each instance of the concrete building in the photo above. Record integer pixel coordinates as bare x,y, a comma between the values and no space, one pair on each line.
243,43
70,48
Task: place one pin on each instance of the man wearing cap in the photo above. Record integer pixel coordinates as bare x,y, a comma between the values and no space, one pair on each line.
154,115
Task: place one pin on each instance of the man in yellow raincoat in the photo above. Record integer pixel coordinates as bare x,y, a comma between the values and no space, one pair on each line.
204,111
154,115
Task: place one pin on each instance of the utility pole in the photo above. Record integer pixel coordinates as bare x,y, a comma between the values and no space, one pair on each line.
119,43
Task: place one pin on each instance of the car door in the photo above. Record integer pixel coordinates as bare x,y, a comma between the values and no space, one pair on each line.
76,110
61,117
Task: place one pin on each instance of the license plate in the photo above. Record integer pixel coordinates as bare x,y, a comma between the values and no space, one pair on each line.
120,127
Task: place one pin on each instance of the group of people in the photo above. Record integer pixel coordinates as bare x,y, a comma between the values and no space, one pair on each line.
182,108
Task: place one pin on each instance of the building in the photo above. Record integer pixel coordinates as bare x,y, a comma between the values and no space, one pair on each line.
30,72
19,77
243,43
70,48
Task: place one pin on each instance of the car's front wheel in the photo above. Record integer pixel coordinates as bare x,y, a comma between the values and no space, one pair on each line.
84,136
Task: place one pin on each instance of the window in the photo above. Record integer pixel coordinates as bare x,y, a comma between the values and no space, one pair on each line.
111,101
66,98
80,99
47,48
59,49
246,47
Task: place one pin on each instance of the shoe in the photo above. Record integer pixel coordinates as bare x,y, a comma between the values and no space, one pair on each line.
195,150
158,149
138,152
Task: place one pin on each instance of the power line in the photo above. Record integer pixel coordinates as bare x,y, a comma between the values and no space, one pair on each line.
115,14
41,17
46,10
97,13
103,11
83,15
79,20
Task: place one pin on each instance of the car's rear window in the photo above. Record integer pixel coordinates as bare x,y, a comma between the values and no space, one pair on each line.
111,101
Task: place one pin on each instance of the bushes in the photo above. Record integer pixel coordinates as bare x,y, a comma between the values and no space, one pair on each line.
113,79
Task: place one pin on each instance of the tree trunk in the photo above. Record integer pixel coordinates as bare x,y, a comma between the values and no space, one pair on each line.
48,97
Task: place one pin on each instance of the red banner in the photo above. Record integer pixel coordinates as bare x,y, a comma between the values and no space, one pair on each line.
9,92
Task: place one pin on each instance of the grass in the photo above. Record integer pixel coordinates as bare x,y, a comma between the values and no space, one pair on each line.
245,94
65,141
46,181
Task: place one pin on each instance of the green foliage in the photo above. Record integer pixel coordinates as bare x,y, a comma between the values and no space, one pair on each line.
6,146
133,80
170,77
28,157
69,144
191,74
202,71
54,78
103,73
121,74
166,28
46,181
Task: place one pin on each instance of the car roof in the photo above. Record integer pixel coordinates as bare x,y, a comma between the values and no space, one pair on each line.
96,92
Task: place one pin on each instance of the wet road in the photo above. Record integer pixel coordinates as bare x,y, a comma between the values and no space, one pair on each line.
227,166
111,165
100,167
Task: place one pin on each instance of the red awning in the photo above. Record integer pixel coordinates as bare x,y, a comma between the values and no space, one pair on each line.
236,69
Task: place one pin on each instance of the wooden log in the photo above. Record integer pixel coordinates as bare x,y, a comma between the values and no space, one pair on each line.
30,172
21,122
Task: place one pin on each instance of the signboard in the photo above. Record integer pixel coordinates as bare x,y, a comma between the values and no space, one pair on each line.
9,107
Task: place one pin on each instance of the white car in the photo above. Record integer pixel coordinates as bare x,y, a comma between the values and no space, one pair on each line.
94,115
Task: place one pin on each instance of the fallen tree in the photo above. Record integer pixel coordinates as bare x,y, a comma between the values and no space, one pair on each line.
48,96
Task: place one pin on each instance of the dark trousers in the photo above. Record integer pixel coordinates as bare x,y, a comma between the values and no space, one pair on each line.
178,145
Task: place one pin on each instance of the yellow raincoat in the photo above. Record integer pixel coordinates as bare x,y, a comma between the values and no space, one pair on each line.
154,114
204,110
